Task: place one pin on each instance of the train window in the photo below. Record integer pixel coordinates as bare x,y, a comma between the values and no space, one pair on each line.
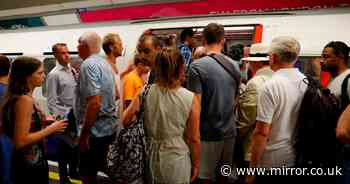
12,56
49,64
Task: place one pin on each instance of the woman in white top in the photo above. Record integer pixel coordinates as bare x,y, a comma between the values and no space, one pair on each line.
171,123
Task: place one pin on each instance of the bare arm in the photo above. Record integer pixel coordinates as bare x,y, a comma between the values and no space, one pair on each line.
24,110
260,135
92,109
259,139
192,134
131,111
117,93
128,91
126,103
343,126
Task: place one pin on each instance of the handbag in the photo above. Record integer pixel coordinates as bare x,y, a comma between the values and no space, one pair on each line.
126,155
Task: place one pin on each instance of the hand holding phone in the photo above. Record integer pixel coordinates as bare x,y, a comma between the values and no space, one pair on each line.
63,117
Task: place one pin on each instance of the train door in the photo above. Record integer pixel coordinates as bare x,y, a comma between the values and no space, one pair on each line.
238,39
234,34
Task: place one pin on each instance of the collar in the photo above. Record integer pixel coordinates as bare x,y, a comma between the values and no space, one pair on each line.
345,73
286,70
183,44
92,56
61,67
264,71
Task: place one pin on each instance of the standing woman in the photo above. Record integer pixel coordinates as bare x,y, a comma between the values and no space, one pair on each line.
171,121
23,122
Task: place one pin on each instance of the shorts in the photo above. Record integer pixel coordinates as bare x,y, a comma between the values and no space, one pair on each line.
215,154
94,159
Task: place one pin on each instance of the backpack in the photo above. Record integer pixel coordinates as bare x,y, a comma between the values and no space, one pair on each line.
344,149
315,137
344,97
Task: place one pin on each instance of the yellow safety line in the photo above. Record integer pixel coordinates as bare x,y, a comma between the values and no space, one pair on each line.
55,176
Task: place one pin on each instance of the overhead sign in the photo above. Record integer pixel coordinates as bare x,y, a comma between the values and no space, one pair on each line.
63,19
205,7
21,23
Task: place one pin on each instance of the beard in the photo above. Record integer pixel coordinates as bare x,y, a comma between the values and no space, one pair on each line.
329,68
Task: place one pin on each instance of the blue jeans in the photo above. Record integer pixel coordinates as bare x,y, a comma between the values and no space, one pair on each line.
6,149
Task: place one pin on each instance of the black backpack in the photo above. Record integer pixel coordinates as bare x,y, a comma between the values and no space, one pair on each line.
344,97
315,138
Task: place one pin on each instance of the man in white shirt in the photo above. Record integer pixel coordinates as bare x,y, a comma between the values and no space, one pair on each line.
277,110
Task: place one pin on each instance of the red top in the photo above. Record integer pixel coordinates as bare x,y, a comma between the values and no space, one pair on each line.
325,79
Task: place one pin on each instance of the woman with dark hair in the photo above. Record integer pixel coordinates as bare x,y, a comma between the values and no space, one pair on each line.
171,121
22,122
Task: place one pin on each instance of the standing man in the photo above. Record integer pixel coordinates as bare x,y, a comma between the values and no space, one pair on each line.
259,63
61,82
186,38
215,89
61,85
113,48
279,101
97,115
335,56
336,59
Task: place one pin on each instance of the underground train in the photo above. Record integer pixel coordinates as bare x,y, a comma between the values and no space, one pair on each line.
312,28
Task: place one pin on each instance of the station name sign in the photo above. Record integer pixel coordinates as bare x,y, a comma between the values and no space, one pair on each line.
205,7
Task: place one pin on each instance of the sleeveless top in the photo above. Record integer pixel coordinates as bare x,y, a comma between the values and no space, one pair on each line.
33,154
30,156
166,115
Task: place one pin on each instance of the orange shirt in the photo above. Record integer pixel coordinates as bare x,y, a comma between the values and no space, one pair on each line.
132,86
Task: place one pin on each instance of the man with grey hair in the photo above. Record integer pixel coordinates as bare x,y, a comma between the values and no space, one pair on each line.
97,104
279,101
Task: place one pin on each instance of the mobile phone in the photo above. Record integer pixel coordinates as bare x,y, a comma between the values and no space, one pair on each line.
63,117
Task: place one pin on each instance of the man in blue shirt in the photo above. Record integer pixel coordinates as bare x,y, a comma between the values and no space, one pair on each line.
61,84
186,45
97,107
